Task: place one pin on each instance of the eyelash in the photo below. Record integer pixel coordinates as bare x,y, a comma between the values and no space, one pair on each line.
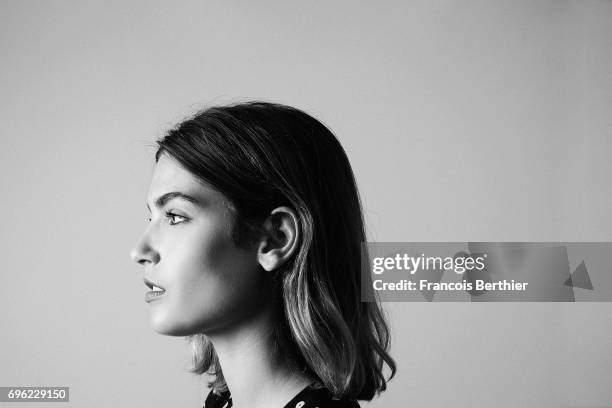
170,215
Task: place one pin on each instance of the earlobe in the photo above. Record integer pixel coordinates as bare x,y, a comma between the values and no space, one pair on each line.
281,238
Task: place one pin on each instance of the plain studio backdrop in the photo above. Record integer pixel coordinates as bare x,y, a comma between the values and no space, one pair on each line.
464,120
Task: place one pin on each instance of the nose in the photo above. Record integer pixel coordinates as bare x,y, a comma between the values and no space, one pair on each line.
143,252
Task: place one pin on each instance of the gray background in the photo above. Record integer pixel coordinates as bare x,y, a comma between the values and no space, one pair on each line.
472,120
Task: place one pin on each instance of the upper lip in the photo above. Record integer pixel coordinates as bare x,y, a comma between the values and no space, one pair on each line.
150,284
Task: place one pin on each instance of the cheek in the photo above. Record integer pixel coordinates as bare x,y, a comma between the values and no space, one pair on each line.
215,280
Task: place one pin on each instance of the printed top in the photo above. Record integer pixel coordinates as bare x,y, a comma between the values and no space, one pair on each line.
309,397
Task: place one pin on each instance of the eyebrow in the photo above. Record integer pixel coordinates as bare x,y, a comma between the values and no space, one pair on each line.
164,198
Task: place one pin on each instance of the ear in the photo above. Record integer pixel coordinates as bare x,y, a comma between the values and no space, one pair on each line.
280,240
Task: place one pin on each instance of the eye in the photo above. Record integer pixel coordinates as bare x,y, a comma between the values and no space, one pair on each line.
172,218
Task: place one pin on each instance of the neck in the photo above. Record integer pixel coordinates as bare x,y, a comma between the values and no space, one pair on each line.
256,376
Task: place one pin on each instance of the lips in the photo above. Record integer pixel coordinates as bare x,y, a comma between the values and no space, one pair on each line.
156,292
153,286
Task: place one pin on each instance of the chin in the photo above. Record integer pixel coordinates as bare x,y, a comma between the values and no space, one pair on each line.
214,322
164,325
174,331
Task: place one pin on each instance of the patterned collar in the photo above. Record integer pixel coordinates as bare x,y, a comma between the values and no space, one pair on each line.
309,397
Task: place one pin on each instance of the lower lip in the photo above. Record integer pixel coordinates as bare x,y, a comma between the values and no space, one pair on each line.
153,295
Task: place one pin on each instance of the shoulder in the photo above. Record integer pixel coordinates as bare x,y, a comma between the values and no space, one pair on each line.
309,397
214,400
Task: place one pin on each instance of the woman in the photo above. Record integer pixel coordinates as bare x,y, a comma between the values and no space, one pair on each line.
253,252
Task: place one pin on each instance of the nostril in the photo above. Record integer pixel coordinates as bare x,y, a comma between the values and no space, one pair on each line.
144,254
137,257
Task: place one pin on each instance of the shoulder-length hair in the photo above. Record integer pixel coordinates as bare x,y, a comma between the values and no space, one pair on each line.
260,156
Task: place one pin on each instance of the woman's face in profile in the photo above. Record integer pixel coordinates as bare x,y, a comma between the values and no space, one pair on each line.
209,283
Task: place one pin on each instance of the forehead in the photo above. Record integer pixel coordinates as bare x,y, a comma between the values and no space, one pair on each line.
170,176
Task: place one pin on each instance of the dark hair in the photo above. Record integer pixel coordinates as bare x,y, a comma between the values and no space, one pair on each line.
260,156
